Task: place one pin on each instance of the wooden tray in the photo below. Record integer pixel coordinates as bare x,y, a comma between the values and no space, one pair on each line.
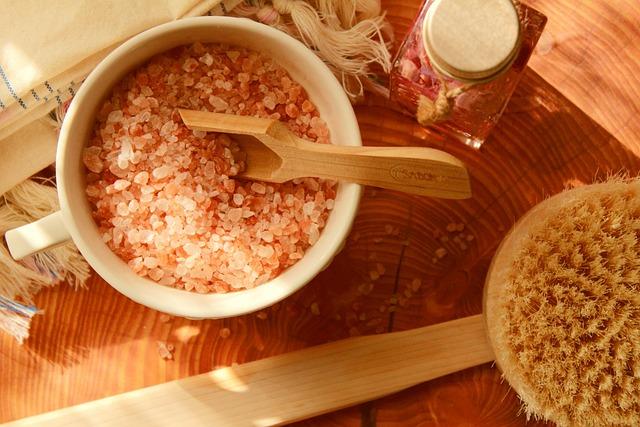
93,344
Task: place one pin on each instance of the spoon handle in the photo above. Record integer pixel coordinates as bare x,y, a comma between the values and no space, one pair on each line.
415,170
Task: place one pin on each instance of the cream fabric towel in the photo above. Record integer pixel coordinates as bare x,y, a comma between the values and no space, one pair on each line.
47,49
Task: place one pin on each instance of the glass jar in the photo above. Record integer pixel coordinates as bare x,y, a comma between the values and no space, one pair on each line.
461,62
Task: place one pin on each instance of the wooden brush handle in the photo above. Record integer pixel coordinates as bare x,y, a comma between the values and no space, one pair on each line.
292,386
415,170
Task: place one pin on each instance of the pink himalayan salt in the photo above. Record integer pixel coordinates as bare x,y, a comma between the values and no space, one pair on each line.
165,350
141,178
164,197
121,184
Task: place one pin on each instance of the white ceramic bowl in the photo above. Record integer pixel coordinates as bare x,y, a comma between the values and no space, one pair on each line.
303,66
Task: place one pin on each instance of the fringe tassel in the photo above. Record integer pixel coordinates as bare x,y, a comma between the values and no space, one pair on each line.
15,318
350,36
20,281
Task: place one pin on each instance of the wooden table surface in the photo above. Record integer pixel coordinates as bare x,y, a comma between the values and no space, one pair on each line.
572,119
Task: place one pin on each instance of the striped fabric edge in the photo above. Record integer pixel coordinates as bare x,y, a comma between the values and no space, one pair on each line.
40,101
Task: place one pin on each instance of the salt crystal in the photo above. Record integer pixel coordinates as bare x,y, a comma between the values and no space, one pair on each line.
265,251
192,249
114,116
167,128
161,150
121,184
441,252
122,209
258,188
146,236
307,106
118,235
289,200
206,59
133,236
235,214
218,103
232,55
292,110
150,262
162,204
91,159
269,102
147,189
156,274
188,204
308,208
238,199
181,270
122,163
374,275
92,191
141,178
190,65
164,351
189,229
161,172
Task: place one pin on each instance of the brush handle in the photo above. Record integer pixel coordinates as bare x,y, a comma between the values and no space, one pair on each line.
414,170
291,386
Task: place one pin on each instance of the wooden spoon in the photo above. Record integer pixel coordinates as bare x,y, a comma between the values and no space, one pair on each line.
275,154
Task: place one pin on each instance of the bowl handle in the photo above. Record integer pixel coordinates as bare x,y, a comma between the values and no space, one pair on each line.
42,234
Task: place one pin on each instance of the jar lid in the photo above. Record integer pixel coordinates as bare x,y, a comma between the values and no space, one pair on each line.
472,40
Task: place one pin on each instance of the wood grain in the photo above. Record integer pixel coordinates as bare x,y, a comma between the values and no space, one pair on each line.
292,386
570,123
591,54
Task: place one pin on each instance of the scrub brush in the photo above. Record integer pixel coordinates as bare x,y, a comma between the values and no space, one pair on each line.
565,325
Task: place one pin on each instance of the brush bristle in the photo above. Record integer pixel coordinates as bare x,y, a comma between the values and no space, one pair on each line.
571,313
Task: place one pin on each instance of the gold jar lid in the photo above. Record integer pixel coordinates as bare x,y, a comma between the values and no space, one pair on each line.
472,40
